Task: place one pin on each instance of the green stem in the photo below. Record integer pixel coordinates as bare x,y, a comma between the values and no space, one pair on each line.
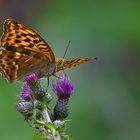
46,116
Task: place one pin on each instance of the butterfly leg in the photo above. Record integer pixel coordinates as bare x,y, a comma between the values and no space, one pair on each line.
55,76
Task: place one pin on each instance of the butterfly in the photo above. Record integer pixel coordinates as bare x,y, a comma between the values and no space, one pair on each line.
23,51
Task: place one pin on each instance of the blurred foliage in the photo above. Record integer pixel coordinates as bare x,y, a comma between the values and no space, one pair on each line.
106,103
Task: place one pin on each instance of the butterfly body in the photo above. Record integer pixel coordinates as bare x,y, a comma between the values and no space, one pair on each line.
23,51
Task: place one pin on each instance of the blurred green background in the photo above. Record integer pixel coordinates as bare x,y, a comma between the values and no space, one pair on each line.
106,103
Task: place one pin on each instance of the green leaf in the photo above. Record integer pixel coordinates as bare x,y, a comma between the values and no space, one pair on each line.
37,136
40,122
50,125
61,125
66,136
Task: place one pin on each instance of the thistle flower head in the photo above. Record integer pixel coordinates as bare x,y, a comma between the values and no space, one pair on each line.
26,92
31,77
63,87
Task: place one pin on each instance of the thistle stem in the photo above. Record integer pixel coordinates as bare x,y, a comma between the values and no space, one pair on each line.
46,116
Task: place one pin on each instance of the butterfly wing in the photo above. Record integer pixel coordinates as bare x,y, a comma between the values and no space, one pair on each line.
14,65
63,64
19,38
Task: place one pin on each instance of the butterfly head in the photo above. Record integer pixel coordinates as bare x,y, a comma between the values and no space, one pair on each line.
62,63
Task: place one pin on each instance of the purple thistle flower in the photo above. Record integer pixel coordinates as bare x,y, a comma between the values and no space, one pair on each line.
31,77
26,92
63,87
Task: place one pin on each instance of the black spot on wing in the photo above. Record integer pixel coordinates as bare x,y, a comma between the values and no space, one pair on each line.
2,65
8,39
17,41
31,45
31,35
10,48
10,35
18,36
36,41
10,55
13,67
27,40
9,63
23,34
1,56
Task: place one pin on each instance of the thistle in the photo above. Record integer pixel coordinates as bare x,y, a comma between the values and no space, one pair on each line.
34,102
63,88
26,92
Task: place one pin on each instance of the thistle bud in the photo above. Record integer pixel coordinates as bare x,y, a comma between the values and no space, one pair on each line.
31,77
25,108
26,92
34,84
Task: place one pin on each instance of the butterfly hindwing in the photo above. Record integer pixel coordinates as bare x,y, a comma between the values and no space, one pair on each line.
14,65
8,67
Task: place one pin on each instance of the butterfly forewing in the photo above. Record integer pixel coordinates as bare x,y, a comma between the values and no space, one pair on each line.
18,37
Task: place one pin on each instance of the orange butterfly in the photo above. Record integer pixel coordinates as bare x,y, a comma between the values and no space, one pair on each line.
23,51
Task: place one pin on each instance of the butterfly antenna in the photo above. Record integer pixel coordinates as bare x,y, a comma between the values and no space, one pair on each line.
66,49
